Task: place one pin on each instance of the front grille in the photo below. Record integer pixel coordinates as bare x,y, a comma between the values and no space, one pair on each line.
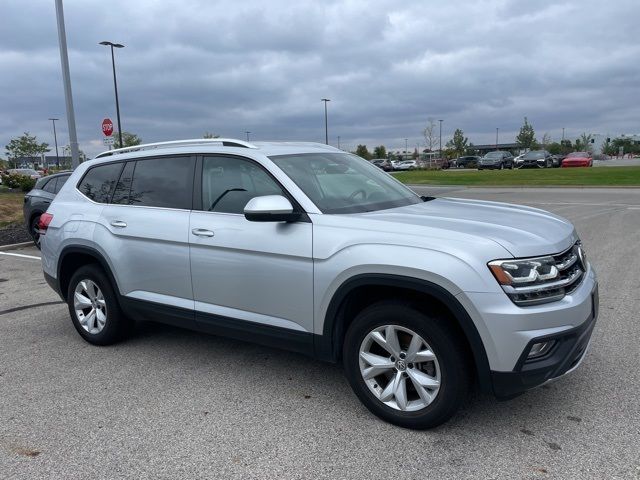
571,265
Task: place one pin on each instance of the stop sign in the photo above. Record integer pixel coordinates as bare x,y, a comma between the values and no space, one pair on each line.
107,127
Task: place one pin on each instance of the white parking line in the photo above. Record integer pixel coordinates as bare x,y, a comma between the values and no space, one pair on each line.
19,255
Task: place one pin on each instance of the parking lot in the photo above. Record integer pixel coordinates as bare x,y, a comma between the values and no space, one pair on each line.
170,403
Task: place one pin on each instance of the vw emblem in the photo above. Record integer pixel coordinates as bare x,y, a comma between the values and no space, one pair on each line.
401,364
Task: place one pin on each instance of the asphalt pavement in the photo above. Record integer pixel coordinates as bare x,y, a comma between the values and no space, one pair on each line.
170,403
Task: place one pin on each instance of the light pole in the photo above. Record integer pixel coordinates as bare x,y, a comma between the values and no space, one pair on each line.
115,85
66,80
326,129
440,148
247,132
55,139
497,129
338,142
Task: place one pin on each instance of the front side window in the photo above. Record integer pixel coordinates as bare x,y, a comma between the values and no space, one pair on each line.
344,183
228,183
98,182
158,182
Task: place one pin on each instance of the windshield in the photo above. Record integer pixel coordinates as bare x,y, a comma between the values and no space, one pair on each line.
344,183
493,155
578,155
533,155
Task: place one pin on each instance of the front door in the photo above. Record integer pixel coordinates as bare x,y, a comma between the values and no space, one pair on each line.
248,276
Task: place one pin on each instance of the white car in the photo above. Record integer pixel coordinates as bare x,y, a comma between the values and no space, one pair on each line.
407,165
305,247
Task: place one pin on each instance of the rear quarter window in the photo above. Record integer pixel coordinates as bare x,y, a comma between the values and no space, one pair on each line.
99,181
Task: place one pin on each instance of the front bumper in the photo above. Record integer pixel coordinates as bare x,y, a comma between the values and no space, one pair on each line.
569,349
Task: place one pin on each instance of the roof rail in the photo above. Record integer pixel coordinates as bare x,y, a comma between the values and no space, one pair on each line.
226,142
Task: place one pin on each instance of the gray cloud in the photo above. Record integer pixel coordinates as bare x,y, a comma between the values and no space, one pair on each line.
192,66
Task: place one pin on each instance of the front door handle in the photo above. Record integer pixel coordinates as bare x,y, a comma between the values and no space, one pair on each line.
118,224
202,232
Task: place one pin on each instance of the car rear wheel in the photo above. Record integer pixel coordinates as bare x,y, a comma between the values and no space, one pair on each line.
34,231
94,308
406,367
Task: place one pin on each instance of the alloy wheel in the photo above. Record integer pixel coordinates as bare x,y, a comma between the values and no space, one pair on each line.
90,306
399,368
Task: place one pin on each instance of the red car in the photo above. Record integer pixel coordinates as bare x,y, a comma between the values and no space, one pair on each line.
578,159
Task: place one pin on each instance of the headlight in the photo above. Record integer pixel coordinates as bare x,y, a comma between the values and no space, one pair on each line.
532,281
513,272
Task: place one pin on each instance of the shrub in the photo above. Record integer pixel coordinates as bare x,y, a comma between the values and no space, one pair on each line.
22,182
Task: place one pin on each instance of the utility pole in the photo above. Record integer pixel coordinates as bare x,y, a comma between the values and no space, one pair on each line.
406,148
326,128
440,137
497,129
247,135
55,139
338,142
66,79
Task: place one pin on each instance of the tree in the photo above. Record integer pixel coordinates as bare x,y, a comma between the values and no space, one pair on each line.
554,148
527,137
585,143
430,135
380,152
546,140
128,139
362,151
459,143
25,146
210,135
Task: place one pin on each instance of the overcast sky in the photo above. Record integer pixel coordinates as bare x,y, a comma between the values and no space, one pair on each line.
225,67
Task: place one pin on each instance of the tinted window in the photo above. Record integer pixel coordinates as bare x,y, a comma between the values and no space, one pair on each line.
99,181
50,186
61,181
123,187
229,183
40,183
162,182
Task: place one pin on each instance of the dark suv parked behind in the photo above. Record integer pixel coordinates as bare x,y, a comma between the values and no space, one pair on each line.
37,201
498,159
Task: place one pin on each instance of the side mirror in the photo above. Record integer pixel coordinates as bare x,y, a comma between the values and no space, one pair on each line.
270,208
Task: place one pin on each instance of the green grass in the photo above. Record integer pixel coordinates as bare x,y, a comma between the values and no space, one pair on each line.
11,207
601,176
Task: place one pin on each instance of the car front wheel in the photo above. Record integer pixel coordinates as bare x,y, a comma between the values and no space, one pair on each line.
406,367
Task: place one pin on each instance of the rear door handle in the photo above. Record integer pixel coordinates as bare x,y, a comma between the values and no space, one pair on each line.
118,224
202,232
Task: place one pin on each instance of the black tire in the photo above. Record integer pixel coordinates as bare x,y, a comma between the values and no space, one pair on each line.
117,326
445,343
33,227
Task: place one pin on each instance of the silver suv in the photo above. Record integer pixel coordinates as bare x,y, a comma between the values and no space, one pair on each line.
308,248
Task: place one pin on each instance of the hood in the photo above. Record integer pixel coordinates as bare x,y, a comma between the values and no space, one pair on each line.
523,231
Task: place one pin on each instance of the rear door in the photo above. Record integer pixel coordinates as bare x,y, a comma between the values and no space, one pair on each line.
248,276
145,229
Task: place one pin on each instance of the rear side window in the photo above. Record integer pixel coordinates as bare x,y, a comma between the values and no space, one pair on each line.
50,186
40,183
159,182
61,181
99,182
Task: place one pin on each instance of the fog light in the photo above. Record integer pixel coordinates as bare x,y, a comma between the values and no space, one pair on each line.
540,349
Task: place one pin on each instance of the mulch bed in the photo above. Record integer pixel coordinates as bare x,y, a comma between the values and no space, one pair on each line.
14,234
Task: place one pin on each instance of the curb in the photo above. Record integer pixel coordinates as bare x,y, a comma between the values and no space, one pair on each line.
15,246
